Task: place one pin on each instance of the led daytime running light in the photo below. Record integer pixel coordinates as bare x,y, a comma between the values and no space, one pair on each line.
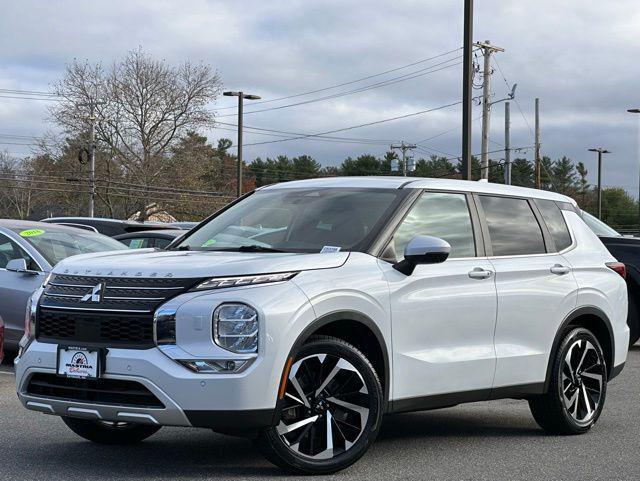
223,282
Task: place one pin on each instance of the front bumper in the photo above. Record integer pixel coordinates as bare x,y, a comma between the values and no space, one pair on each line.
234,403
223,402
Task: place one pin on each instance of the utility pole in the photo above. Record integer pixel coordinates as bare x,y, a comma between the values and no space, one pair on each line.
487,50
507,143
241,96
467,89
403,147
600,151
537,147
92,104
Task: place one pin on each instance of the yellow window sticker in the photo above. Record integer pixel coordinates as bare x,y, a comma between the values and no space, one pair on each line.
31,232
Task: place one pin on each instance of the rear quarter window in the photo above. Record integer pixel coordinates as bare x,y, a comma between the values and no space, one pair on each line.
555,223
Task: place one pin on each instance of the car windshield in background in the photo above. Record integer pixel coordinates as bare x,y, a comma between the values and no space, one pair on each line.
55,245
298,220
598,227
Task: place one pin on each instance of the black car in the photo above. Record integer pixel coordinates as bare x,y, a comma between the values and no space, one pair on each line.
158,239
627,250
109,227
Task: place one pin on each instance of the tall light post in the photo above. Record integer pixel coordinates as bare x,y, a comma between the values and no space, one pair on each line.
241,96
637,111
600,151
467,89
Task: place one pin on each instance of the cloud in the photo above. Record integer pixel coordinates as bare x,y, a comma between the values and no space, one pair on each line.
577,56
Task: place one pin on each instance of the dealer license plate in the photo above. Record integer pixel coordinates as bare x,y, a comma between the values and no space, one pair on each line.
78,362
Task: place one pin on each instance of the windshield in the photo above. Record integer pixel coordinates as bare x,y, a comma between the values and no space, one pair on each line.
598,227
55,245
298,220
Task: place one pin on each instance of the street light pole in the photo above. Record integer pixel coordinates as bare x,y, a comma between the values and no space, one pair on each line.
467,89
637,111
600,151
241,96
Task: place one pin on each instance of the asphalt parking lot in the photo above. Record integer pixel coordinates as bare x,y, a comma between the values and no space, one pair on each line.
484,441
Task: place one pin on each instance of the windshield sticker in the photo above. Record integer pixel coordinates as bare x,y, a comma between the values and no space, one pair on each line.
209,243
330,249
31,233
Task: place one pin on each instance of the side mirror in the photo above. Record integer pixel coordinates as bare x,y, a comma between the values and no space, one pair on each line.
17,265
423,249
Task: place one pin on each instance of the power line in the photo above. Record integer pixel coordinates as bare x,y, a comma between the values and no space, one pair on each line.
399,117
17,97
403,78
28,92
351,82
319,137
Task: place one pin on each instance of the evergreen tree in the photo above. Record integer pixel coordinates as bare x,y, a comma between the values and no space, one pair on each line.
564,176
522,172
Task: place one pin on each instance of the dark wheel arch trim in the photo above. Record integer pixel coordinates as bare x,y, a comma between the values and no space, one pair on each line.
355,316
583,311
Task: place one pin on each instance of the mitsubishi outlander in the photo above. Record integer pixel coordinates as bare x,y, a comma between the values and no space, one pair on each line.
305,311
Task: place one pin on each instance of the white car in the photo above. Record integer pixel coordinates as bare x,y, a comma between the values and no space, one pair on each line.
302,313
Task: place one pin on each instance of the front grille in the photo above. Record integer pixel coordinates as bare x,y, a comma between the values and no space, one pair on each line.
112,329
104,311
98,391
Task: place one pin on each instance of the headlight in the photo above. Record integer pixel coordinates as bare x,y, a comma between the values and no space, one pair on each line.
164,327
221,282
30,321
235,328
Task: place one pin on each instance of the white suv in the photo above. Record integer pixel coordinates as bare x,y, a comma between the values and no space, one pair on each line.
305,311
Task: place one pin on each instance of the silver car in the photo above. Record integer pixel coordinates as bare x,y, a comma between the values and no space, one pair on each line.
28,251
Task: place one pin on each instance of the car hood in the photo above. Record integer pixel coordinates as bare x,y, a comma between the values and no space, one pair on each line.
193,264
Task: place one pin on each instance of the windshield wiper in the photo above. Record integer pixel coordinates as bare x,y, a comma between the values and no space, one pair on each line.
249,248
181,248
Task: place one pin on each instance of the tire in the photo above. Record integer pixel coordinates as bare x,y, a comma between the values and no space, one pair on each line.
103,432
579,369
632,320
333,382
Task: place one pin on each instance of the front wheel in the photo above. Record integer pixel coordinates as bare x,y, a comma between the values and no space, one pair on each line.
107,432
577,388
331,410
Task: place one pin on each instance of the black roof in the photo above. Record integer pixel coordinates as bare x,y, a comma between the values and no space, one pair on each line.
111,227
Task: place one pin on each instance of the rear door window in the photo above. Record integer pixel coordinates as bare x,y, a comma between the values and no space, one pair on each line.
162,243
138,243
555,223
513,227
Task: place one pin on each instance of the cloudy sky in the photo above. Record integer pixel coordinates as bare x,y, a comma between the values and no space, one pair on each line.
579,56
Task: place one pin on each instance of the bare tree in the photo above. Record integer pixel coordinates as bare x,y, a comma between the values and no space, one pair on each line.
16,194
141,106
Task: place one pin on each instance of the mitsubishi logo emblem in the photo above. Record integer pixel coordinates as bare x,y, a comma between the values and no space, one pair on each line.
95,295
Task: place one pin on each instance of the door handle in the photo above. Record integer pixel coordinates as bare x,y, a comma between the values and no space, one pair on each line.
480,273
560,269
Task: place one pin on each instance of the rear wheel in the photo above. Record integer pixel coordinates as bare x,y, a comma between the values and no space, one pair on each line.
331,410
577,387
107,432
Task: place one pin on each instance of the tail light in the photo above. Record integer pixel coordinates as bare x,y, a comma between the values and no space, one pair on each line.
618,267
